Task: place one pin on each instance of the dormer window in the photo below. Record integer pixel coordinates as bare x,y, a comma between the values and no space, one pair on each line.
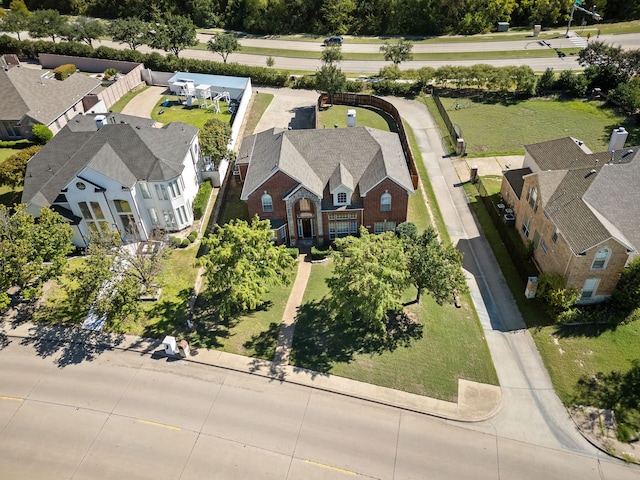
342,197
385,202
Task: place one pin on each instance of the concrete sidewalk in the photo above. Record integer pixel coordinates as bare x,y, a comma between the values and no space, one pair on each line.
476,402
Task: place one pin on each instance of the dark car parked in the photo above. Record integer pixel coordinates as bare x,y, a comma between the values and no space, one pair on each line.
335,40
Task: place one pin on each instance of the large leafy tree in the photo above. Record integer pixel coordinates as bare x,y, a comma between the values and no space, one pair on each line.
242,263
397,52
46,23
83,30
31,251
337,15
132,31
434,266
15,21
223,44
329,78
214,139
368,280
173,33
607,66
12,170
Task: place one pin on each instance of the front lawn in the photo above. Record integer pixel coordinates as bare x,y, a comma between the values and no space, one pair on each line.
452,346
502,126
194,115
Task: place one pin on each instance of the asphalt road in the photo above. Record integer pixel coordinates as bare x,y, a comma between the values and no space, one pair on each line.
126,415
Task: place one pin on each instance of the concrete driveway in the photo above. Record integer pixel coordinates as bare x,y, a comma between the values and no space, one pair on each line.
142,104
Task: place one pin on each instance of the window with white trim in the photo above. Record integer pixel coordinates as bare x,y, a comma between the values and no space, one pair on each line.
601,259
342,197
267,203
174,189
554,237
589,288
385,202
153,215
161,191
144,188
380,227
543,246
169,219
532,198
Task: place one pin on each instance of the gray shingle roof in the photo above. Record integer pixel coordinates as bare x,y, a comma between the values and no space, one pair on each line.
24,91
516,180
126,152
591,198
312,156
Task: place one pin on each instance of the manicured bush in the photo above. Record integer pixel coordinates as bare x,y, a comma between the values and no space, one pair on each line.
202,198
294,252
41,133
64,71
175,241
14,143
193,235
185,243
320,253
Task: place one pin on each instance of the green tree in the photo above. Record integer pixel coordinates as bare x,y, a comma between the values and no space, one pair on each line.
397,52
626,296
19,6
546,82
242,263
46,23
205,13
26,244
270,61
368,280
173,33
131,31
13,169
331,54
435,267
330,79
628,95
83,30
214,139
337,15
223,44
41,133
607,66
15,22
551,290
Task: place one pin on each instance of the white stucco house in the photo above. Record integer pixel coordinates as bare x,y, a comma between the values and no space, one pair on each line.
117,172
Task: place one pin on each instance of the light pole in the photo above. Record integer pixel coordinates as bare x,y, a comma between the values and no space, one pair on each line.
576,6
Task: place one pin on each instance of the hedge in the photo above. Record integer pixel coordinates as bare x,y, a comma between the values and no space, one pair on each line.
294,252
62,72
202,198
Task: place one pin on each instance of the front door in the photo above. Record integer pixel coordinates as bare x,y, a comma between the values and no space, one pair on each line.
306,228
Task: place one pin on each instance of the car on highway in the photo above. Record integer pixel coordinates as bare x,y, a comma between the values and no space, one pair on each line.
335,40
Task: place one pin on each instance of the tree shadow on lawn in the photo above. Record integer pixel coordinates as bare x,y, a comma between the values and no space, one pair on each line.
170,314
264,344
323,338
618,391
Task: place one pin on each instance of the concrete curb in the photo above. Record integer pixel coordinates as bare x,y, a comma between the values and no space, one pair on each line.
476,402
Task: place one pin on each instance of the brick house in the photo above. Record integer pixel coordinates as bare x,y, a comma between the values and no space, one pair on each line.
318,185
580,210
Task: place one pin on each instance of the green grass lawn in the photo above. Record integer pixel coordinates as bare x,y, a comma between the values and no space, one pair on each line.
369,117
260,104
430,365
495,127
193,115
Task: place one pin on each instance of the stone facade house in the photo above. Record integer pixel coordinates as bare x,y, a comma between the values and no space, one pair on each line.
117,172
32,96
580,210
318,185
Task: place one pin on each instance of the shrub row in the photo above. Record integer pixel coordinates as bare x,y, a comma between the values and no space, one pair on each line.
183,242
62,72
294,252
320,253
202,198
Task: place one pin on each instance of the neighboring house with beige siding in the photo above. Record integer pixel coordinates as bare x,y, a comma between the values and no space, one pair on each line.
580,210
318,185
32,96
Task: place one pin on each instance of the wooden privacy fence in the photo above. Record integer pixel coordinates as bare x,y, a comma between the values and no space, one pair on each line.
357,100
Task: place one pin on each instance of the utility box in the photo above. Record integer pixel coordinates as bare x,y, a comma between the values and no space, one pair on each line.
531,288
503,26
473,177
351,118
170,347
536,30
